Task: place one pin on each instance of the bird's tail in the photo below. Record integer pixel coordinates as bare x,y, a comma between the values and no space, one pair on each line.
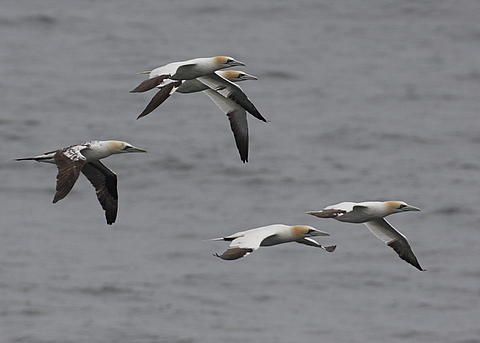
35,158
24,158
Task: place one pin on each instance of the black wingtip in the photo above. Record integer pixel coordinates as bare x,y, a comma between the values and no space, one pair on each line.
331,248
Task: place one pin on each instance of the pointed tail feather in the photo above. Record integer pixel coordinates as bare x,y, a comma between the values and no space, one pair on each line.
25,159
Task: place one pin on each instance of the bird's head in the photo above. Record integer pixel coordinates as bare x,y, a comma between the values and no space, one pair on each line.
236,75
399,206
119,147
307,231
227,62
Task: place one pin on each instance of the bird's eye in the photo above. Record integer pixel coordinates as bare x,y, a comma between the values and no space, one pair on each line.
310,231
402,206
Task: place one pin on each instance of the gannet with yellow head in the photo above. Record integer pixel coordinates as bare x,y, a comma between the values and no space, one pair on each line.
372,214
185,70
219,86
245,242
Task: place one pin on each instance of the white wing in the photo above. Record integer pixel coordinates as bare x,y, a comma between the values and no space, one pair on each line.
253,238
394,239
248,241
345,206
344,211
238,120
231,91
157,77
169,69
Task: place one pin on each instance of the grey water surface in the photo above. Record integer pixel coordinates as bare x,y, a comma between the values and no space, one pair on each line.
366,100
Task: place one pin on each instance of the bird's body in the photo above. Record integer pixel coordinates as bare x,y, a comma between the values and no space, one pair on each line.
85,158
185,70
372,214
245,242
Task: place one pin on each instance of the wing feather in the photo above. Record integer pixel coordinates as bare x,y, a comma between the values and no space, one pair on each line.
69,168
238,121
150,83
158,99
247,241
104,180
231,91
394,239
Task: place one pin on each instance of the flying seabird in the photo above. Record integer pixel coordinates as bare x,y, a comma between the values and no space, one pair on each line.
245,242
185,70
229,97
85,158
190,86
372,214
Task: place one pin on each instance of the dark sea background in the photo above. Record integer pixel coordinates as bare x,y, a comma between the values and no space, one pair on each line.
367,100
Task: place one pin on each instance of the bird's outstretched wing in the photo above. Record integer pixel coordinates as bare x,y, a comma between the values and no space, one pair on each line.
104,180
394,239
69,162
231,91
150,83
238,121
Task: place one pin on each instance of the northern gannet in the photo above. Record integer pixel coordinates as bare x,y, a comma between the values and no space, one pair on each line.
372,214
190,86
229,97
245,242
85,158
185,70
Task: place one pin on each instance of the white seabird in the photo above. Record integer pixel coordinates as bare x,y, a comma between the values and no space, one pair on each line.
372,214
85,158
229,97
245,242
185,70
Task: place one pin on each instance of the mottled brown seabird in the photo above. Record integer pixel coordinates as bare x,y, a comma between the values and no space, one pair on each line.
85,158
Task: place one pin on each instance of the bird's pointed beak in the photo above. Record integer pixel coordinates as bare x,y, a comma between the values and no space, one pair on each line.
249,77
135,149
235,63
411,208
319,233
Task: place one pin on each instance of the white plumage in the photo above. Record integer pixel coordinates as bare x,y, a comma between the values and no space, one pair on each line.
372,214
245,242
